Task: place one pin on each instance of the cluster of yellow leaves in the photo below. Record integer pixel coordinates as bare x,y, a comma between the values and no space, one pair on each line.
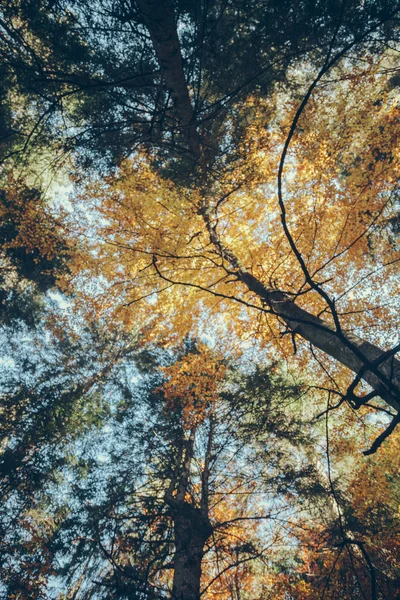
231,545
147,259
36,231
371,491
193,385
376,502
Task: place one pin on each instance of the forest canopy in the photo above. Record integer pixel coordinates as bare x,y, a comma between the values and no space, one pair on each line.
199,250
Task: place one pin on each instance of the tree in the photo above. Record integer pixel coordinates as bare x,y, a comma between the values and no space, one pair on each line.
33,253
215,243
151,505
258,521
51,383
249,202
214,147
196,469
72,83
363,564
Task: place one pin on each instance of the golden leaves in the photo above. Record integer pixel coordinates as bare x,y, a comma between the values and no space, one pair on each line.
193,385
147,258
32,228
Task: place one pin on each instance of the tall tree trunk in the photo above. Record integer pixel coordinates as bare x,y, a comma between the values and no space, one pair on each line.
373,365
191,533
160,21
192,526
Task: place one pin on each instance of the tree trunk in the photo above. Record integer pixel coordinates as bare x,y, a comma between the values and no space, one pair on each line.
368,360
192,526
191,533
160,21
372,364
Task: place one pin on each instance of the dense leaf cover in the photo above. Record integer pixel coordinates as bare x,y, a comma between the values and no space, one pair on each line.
199,387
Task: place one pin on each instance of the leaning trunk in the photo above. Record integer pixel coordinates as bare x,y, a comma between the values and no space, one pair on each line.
378,368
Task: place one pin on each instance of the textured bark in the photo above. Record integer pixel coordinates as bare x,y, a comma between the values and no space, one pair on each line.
192,530
160,21
192,526
355,353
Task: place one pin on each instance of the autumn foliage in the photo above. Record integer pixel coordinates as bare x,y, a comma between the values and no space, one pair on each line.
200,381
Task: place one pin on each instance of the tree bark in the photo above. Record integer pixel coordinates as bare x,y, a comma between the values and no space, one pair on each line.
362,357
191,530
160,21
368,361
192,526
